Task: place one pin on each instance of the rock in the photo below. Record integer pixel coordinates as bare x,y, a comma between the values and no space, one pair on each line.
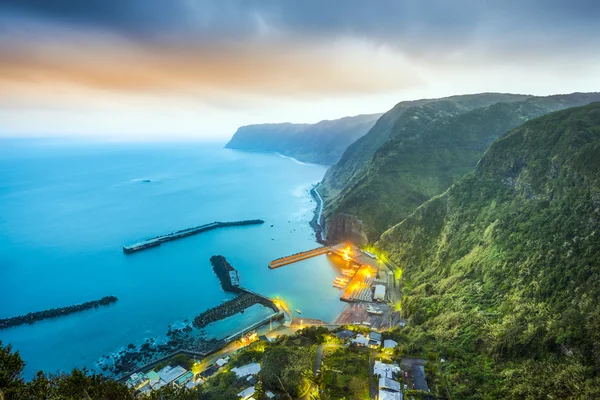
343,227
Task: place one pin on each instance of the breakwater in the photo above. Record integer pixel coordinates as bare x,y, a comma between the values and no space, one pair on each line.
55,312
280,262
157,240
227,275
229,308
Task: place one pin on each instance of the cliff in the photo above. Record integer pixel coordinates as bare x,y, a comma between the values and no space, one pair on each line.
320,143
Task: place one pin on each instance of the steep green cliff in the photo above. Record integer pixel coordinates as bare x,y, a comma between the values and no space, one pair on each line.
428,148
321,143
502,271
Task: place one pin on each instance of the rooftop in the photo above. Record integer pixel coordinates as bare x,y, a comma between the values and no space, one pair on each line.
386,395
169,374
389,344
390,384
246,370
419,378
385,370
247,393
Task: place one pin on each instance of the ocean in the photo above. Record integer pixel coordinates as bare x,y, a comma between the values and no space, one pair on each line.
66,210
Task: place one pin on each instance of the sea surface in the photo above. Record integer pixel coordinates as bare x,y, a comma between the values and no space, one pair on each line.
66,210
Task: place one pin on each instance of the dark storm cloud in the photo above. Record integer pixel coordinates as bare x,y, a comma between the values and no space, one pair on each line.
390,21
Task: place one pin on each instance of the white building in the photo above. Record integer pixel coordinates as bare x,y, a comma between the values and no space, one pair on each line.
361,340
168,374
222,361
385,370
247,393
246,370
379,294
385,395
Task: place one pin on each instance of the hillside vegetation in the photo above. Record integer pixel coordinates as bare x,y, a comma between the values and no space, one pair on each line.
502,271
320,143
429,147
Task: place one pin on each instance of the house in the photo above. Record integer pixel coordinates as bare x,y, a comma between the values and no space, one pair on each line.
389,345
210,371
222,361
252,379
192,384
389,384
379,294
387,395
246,370
361,340
385,370
168,374
153,377
264,338
345,334
269,394
184,379
145,390
137,381
419,380
374,340
389,389
247,393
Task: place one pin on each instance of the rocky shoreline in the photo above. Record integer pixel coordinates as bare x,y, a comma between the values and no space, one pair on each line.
317,223
55,312
227,309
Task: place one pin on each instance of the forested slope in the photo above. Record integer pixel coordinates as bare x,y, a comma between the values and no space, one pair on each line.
502,272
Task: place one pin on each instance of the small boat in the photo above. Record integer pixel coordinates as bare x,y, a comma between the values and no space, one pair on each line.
375,311
298,311
366,323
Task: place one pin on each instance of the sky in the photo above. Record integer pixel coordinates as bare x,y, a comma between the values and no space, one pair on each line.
198,69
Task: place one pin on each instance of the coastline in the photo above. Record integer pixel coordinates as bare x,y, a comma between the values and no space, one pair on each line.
317,221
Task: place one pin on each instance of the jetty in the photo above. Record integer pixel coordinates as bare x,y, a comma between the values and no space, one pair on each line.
280,262
158,240
55,312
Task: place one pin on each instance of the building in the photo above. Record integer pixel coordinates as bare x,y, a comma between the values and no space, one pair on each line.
389,389
345,334
379,294
389,384
389,345
210,371
246,370
361,340
184,379
153,377
270,395
222,361
419,381
385,370
168,374
137,381
234,278
374,339
247,393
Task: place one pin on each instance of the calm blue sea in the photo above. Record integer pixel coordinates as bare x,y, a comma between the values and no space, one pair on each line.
66,209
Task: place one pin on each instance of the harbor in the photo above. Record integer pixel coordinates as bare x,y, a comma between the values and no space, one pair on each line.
158,240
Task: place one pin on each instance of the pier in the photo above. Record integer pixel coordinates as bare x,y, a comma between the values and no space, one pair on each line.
280,262
157,240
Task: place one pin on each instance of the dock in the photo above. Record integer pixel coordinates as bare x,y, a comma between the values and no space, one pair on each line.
158,240
280,262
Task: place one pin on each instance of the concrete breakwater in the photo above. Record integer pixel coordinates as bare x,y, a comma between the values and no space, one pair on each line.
157,240
228,309
55,312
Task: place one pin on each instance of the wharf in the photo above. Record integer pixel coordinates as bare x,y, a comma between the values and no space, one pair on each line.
280,262
156,241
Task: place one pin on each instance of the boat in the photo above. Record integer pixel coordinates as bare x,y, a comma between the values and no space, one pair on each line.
375,311
298,311
366,323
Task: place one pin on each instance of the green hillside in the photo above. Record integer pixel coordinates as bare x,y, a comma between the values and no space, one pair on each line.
429,148
320,143
502,272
